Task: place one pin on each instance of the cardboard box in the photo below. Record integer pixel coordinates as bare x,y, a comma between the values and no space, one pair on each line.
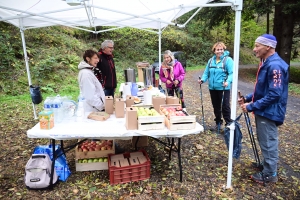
136,154
119,108
129,101
131,118
143,141
157,101
172,100
46,119
93,166
109,104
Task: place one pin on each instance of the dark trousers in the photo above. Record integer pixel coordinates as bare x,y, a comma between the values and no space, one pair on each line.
109,92
216,99
179,93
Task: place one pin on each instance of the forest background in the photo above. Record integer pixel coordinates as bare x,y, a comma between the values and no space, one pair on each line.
54,52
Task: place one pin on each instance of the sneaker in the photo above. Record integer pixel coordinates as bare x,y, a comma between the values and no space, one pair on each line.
257,166
184,109
216,127
262,178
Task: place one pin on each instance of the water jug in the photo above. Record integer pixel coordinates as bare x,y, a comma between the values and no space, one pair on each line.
130,75
134,89
149,76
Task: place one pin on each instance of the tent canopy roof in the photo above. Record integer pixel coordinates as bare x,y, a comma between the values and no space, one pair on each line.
154,14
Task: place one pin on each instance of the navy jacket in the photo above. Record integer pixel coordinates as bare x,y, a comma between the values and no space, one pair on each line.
271,90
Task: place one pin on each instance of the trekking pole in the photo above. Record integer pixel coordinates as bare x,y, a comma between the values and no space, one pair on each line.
202,105
251,135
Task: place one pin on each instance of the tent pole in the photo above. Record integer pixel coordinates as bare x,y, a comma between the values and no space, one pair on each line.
238,10
26,62
159,49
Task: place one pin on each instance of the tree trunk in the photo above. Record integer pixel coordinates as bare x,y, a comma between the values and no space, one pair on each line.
284,23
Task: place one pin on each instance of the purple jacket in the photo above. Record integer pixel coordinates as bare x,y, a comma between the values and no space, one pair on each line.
178,75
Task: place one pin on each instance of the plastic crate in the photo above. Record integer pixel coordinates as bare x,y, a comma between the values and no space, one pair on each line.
129,173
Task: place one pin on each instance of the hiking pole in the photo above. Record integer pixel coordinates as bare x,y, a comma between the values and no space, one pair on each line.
202,104
251,135
219,124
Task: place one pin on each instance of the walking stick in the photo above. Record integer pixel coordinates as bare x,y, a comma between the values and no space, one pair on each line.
202,105
251,135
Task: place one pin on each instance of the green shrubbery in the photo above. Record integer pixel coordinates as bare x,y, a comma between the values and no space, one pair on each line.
295,75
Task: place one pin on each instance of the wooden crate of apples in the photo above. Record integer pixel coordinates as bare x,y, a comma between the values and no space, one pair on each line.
92,155
149,119
176,118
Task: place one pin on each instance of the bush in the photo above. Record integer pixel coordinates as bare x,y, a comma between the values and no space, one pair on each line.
295,74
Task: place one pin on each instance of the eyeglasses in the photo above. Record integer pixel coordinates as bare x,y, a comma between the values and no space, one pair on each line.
111,47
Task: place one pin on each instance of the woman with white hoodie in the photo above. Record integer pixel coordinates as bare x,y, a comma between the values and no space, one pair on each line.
89,85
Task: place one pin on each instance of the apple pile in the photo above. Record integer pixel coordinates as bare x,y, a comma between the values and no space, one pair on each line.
92,160
172,111
95,146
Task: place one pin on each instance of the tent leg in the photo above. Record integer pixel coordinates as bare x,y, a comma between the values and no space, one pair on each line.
238,10
159,52
26,63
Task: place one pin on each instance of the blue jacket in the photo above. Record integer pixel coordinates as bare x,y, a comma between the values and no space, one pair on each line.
271,90
217,74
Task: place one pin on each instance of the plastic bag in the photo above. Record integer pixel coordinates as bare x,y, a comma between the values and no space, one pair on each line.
61,165
35,94
237,140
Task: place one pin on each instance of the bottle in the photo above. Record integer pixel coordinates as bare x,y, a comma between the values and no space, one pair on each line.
80,110
134,89
48,104
57,109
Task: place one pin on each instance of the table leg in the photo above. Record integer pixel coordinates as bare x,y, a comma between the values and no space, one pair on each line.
171,148
137,140
179,158
53,163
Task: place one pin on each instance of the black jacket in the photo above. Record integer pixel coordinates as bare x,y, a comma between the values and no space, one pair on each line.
106,71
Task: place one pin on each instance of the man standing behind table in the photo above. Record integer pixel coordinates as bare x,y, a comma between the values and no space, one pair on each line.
268,103
105,70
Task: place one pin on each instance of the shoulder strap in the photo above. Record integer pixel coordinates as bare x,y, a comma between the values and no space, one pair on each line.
224,63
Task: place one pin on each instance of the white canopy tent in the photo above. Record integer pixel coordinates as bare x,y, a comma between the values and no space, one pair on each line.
87,15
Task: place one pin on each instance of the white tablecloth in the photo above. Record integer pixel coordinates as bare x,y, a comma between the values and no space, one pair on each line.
112,128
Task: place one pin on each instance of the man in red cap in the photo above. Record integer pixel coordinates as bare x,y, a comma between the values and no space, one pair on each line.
268,103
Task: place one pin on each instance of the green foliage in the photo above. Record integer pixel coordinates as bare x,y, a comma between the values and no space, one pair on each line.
295,74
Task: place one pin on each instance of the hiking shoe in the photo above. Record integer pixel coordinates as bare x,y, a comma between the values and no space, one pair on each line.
215,128
262,178
257,166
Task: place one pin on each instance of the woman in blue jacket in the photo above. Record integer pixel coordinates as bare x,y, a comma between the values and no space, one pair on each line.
219,71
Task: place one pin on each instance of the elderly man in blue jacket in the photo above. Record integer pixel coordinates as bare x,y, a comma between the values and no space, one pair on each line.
268,103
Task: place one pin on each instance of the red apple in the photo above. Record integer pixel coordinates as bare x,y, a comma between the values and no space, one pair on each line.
92,149
109,147
97,148
103,148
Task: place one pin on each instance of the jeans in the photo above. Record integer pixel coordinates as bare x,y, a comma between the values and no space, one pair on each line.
109,92
267,136
216,99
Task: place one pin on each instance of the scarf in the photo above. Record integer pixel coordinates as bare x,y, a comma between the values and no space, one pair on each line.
166,70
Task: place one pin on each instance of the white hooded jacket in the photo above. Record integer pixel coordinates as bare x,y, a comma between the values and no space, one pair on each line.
90,88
